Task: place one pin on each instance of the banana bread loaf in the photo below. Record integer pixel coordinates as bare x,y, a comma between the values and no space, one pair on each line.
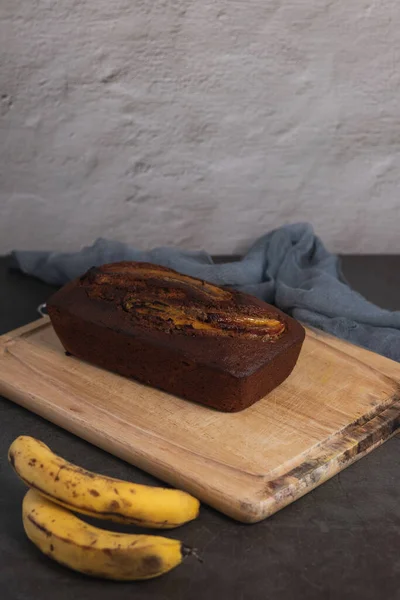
205,343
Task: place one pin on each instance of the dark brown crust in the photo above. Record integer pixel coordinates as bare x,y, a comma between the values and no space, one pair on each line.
209,344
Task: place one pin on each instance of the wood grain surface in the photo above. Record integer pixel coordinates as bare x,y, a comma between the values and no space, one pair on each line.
340,402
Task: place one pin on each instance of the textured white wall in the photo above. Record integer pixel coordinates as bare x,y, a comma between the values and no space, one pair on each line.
201,123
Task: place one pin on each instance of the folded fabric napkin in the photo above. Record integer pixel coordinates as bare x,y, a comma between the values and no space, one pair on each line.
288,267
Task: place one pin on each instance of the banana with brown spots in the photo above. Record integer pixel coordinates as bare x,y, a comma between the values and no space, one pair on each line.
97,495
93,551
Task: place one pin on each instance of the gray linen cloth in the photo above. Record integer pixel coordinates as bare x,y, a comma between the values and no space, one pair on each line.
288,267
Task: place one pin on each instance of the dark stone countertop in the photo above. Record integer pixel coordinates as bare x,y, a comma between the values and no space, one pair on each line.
341,541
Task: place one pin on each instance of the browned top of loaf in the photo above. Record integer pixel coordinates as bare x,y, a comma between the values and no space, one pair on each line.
206,323
159,298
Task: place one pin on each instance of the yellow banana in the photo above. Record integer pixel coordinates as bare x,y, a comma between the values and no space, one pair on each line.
97,552
97,495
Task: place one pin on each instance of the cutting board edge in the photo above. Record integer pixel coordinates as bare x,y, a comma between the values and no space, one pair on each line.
347,448
7,337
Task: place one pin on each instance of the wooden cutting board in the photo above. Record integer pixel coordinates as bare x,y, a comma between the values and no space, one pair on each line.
339,403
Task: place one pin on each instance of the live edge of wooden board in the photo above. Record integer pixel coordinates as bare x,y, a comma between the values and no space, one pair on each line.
340,402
